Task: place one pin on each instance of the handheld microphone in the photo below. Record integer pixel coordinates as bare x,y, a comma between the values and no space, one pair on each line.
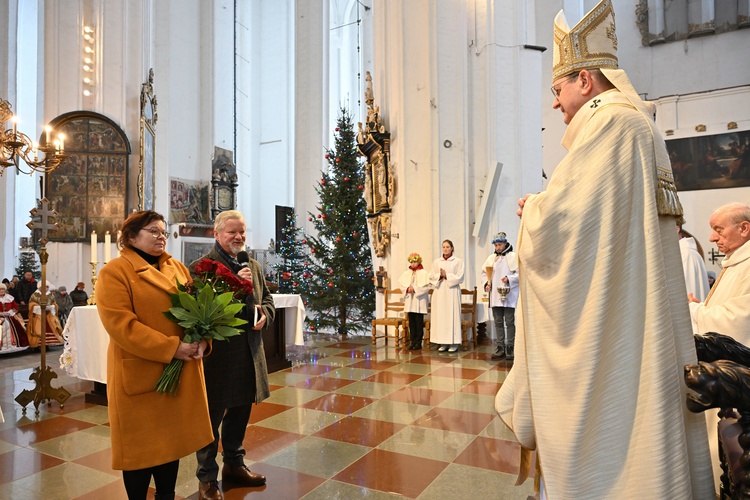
243,258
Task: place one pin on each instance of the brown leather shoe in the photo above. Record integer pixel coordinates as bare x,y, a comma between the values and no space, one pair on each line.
241,475
209,491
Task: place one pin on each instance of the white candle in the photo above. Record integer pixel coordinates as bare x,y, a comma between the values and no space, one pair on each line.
47,135
93,246
14,120
62,142
107,247
117,242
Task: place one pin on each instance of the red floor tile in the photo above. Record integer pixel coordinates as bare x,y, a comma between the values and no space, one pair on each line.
486,356
419,395
482,388
493,454
114,491
43,430
433,360
311,369
345,345
264,410
454,420
328,384
396,378
392,472
281,484
361,431
338,403
453,371
24,462
372,364
272,387
353,354
261,442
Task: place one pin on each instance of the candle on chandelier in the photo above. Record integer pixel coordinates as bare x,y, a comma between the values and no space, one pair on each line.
14,120
47,135
61,137
93,246
107,247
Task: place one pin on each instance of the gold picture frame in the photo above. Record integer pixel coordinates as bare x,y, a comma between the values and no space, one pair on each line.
147,168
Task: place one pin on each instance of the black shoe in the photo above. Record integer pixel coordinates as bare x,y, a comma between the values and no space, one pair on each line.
499,353
509,354
415,347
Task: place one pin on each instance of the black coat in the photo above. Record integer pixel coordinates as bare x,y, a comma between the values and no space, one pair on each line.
235,369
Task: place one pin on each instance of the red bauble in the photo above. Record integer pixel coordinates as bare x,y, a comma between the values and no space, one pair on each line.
338,160
322,182
304,242
330,271
337,129
318,216
323,216
286,275
312,250
294,284
359,187
338,239
330,285
310,219
312,327
355,233
367,271
346,178
327,157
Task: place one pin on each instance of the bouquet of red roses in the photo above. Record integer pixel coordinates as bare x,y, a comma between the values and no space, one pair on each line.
206,308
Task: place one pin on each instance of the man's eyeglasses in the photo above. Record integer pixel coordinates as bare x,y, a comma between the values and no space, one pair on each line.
156,233
556,91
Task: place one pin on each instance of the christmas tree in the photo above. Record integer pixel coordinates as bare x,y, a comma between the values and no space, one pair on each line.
292,269
341,290
27,262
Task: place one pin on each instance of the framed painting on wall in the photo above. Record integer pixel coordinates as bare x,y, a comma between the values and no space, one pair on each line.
89,189
711,162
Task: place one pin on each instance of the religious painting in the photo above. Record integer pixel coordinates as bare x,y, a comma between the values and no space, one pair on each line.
194,250
149,118
711,162
89,188
188,202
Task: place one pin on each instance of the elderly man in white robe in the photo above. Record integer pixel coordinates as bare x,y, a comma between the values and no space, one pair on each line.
602,331
727,308
446,276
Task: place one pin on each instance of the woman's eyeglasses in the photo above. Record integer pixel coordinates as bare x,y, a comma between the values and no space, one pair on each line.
156,233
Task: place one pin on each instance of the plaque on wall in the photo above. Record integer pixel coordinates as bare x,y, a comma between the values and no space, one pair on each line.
89,189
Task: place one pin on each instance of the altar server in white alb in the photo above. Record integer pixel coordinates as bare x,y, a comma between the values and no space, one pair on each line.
502,277
603,331
415,284
693,267
446,276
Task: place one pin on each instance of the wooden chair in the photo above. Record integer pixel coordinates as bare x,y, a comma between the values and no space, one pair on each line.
393,316
468,308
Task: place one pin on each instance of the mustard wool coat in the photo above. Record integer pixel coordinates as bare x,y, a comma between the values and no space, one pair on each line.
148,428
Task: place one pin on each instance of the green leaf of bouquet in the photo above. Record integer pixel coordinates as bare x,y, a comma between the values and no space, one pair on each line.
205,297
183,314
224,299
189,303
236,322
227,331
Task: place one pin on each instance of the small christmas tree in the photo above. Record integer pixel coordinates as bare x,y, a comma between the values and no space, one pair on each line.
341,290
27,262
292,269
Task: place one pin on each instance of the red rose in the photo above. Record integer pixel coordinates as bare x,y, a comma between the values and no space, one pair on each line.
224,273
286,275
247,287
206,266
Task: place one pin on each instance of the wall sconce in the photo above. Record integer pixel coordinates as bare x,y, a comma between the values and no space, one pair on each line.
731,125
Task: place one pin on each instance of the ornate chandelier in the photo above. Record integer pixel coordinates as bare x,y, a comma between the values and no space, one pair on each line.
16,147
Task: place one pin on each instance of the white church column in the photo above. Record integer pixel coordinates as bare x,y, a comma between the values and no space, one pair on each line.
311,105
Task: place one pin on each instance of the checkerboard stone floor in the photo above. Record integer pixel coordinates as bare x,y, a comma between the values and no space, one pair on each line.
348,420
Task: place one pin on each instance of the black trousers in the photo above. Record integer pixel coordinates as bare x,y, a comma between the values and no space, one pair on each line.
416,327
233,423
165,478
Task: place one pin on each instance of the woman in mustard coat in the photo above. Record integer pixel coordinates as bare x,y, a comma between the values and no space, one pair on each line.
150,431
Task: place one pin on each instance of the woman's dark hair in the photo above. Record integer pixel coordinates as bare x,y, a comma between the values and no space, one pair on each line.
134,223
450,243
